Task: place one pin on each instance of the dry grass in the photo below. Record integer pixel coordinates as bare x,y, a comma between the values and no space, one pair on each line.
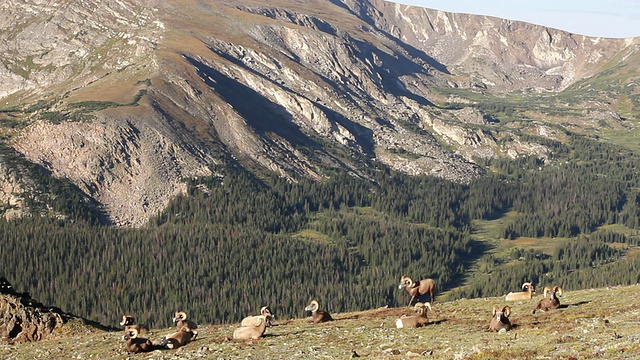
600,323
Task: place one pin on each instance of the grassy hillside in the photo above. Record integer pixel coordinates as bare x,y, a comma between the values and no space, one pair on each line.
596,323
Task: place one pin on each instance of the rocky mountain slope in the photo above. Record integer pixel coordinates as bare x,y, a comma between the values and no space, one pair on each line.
127,98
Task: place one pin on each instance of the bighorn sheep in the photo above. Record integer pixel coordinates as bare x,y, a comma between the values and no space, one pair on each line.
528,290
253,331
415,321
500,319
250,320
129,322
135,345
318,316
551,302
426,286
179,338
180,318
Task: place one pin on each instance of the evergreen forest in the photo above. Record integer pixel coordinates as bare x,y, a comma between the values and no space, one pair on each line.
238,241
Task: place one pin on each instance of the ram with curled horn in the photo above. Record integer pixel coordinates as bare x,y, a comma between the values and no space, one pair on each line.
550,301
416,290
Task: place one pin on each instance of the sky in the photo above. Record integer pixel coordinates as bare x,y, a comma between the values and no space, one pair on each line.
611,18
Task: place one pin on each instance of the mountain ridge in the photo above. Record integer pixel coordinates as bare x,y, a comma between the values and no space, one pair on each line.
127,107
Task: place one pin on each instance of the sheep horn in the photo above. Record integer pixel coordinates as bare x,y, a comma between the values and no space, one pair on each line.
133,333
506,310
546,290
124,320
428,305
495,310
313,305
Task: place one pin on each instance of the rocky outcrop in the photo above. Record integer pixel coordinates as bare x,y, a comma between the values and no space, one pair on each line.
23,319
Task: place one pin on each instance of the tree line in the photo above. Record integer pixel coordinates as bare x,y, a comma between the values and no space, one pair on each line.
238,241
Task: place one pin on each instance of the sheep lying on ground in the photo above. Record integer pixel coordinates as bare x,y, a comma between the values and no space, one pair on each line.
129,322
317,315
179,338
135,345
528,290
551,302
415,321
250,320
180,318
252,331
425,286
500,319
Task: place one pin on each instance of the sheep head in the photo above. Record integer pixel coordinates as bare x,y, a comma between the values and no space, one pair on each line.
180,315
127,320
498,314
421,307
268,315
406,282
528,285
556,291
265,311
313,306
130,335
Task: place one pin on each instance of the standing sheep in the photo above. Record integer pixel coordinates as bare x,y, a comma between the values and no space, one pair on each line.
416,290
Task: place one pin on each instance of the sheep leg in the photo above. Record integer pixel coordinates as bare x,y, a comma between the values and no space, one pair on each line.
411,300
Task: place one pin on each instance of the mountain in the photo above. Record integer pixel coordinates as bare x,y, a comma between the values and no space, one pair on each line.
122,101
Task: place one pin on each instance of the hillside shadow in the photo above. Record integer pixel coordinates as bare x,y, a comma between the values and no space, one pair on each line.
252,106
391,70
411,50
477,250
579,303
259,112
